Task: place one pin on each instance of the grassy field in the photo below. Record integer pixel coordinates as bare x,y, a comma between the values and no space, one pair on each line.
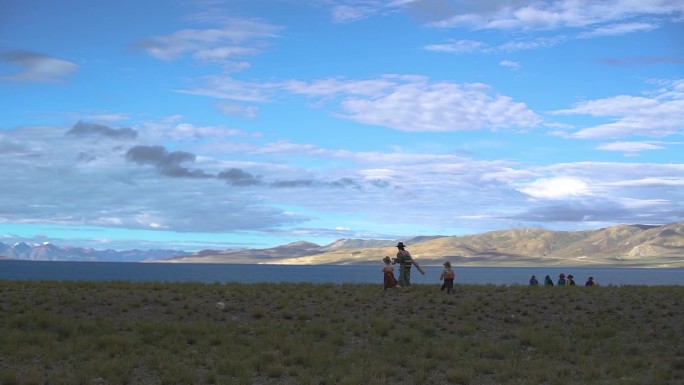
171,333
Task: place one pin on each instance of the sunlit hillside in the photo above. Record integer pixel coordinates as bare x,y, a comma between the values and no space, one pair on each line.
623,245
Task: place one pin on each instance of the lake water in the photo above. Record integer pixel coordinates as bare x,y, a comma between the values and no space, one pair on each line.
212,273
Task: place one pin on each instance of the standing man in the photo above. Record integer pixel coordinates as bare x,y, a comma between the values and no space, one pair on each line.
405,261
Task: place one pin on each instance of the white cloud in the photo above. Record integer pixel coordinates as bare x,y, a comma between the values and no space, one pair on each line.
415,104
458,46
227,45
650,182
329,88
229,88
187,131
528,44
617,30
630,147
443,190
403,102
556,188
348,13
472,46
35,67
509,175
234,109
101,117
509,64
593,19
660,115
550,14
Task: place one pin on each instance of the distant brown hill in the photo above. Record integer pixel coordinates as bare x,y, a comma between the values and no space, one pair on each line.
622,245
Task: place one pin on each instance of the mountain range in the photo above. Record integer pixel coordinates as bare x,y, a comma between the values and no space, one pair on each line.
49,252
615,246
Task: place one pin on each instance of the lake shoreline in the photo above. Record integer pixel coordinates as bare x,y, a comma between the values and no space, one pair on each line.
245,273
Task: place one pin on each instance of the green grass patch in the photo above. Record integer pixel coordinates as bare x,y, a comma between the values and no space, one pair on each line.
172,333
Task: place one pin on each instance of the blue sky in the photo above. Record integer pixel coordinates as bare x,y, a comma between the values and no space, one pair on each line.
223,124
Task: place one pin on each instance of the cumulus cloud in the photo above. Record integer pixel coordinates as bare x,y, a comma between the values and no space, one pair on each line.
36,67
657,115
557,188
152,187
71,187
413,103
604,193
403,102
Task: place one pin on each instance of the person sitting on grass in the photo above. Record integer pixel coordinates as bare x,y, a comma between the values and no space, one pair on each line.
571,280
561,280
590,281
388,274
548,281
533,281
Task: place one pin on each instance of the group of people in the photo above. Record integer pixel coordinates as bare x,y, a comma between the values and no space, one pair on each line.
562,281
405,262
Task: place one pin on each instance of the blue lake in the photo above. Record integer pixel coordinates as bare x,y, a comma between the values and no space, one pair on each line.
223,273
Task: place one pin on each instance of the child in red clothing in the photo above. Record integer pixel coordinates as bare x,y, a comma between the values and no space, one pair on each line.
388,274
447,276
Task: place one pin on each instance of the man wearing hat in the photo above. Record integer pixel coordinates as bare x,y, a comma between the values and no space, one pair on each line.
571,280
405,261
561,279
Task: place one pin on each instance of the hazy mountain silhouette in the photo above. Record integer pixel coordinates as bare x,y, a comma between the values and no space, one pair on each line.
49,252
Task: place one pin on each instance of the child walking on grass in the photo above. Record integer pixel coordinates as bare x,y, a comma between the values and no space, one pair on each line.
388,274
447,276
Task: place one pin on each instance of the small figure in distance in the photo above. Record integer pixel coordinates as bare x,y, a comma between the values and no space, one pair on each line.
447,276
388,281
533,280
548,281
561,280
571,280
590,281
